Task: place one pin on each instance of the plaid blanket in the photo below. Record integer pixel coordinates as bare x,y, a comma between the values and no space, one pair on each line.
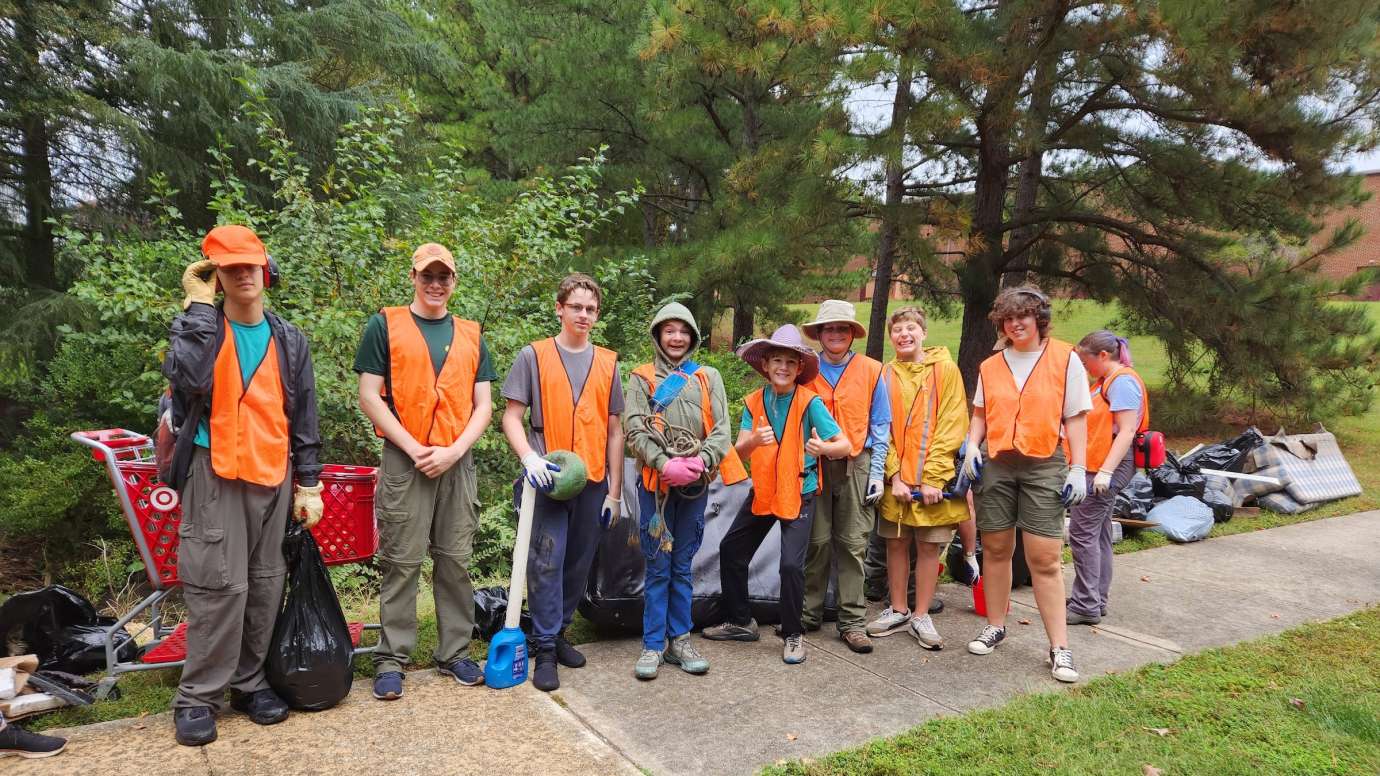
1310,467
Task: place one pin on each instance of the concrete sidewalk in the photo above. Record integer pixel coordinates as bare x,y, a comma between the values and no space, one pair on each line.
751,709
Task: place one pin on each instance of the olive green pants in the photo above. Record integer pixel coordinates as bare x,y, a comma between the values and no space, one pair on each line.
230,562
839,538
420,515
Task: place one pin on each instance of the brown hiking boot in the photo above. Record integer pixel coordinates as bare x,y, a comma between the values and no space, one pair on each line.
857,641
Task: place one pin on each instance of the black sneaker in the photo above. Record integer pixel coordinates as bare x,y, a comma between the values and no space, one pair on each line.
936,606
263,707
987,641
566,653
544,675
16,741
195,726
464,671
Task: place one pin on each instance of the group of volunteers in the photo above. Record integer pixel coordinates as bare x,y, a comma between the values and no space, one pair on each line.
865,468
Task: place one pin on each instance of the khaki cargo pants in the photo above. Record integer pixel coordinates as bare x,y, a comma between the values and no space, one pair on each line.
839,539
419,515
230,561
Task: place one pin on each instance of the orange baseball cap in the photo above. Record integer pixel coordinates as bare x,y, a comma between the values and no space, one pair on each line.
234,244
430,253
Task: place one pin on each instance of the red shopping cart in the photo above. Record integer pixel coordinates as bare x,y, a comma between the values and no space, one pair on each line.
346,533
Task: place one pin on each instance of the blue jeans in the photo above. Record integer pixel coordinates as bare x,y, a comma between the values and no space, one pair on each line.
668,587
564,537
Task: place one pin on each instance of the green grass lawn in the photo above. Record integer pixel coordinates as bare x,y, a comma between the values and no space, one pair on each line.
1304,702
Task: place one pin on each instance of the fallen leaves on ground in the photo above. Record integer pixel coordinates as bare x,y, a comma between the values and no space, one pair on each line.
791,736
1023,622
1297,703
1145,579
1161,732
1149,770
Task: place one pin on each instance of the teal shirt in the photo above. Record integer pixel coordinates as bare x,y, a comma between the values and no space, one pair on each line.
816,418
251,343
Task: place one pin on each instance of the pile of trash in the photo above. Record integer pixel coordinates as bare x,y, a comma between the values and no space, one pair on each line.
1287,473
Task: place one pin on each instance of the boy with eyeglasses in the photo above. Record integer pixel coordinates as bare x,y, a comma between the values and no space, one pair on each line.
424,378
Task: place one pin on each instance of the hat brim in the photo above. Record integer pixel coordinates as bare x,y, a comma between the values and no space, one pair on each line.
231,259
811,329
429,260
755,351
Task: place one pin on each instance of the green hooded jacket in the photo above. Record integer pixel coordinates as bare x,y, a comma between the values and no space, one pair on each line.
685,411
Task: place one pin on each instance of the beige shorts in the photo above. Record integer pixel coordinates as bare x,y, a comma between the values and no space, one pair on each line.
930,534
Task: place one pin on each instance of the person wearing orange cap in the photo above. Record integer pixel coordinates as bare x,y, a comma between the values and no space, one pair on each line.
246,374
424,378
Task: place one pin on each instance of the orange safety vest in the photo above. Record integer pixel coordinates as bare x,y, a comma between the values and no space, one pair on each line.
1027,420
433,408
730,468
248,424
1100,420
914,438
778,469
850,402
582,427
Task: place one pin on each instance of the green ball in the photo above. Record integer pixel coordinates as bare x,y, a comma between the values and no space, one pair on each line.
572,477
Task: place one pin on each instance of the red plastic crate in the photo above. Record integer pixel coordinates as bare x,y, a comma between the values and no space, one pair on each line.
347,532
173,647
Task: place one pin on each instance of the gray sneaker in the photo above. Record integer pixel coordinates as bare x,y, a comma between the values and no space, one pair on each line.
682,653
794,651
888,622
730,632
1078,618
922,628
647,664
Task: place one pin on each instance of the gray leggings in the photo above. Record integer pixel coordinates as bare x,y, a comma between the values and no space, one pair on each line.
1090,540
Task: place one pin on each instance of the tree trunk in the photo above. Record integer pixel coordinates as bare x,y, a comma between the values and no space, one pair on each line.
979,276
36,169
1028,181
890,232
744,321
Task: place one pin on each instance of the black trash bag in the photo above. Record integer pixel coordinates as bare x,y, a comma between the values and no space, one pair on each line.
1219,495
1175,478
1228,456
1136,499
62,628
309,660
1020,570
490,611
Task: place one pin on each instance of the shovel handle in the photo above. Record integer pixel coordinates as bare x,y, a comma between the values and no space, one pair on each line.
517,583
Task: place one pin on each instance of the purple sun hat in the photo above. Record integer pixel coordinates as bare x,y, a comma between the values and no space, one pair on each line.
788,337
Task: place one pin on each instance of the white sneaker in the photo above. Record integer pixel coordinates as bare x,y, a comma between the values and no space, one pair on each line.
888,622
1061,664
922,628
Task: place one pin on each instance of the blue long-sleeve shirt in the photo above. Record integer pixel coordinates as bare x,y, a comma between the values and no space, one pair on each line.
878,420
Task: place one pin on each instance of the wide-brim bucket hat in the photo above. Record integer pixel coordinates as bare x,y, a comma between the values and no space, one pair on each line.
834,311
754,352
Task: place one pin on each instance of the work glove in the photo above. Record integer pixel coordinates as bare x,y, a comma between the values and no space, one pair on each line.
199,281
1102,482
972,462
679,472
613,507
1076,486
874,491
306,504
974,571
539,471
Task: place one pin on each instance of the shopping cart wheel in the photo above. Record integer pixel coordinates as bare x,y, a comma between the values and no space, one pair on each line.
107,689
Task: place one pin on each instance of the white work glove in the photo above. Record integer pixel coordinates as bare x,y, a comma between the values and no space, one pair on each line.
1102,482
974,571
972,462
874,491
307,506
609,514
1076,486
539,471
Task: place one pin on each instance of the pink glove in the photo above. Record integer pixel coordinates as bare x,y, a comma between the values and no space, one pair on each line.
695,463
679,472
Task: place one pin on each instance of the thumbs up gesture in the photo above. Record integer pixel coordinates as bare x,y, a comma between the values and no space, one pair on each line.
814,445
765,436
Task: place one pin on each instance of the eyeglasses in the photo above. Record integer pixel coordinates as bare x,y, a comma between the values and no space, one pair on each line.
428,279
591,309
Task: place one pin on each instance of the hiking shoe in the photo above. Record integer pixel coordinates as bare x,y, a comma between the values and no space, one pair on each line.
566,653
545,676
922,628
16,741
464,671
682,653
263,707
888,622
647,664
731,632
857,641
1078,618
388,685
936,606
1061,664
195,726
987,641
794,651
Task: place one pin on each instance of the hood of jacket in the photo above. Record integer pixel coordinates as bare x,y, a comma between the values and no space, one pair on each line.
675,311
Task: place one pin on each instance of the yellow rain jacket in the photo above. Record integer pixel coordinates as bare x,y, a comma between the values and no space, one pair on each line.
950,428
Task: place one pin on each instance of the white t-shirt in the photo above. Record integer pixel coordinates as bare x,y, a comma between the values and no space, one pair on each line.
1077,396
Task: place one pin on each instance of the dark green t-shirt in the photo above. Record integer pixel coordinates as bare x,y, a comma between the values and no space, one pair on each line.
372,356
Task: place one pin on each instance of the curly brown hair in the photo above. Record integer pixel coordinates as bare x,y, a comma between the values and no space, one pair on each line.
579,280
1019,302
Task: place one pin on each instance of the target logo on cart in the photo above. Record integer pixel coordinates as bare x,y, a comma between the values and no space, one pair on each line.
163,498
